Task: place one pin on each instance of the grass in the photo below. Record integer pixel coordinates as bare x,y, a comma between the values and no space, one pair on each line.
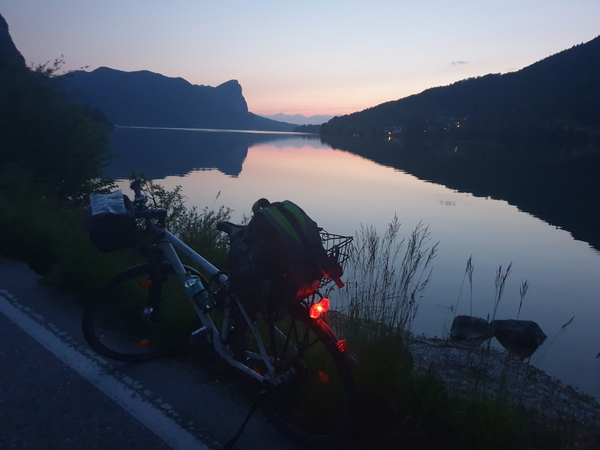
468,274
385,279
500,283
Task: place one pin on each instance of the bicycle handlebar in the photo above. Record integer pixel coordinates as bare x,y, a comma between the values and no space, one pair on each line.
139,204
159,214
136,187
140,199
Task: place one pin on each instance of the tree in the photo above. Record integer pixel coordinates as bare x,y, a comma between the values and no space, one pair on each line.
61,145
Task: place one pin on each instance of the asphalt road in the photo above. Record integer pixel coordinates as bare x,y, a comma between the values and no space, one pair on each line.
55,393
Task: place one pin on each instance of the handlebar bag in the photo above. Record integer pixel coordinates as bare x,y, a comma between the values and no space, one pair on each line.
111,223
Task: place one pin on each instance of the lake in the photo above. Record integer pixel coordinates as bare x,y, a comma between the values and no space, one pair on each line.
342,191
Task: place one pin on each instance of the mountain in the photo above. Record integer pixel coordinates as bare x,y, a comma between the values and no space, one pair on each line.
150,99
299,119
555,97
10,57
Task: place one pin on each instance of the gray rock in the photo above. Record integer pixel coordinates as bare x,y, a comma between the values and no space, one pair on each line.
522,337
471,328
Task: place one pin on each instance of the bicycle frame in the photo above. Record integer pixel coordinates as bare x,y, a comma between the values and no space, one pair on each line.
167,245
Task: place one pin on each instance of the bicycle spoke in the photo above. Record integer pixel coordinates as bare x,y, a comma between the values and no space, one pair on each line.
136,318
314,401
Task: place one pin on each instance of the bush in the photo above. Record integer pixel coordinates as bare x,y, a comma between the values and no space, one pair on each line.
60,144
50,235
198,229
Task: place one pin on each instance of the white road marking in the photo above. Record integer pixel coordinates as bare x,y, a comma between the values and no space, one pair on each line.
165,428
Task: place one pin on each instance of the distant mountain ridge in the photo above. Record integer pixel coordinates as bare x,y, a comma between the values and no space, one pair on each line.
299,119
556,93
149,99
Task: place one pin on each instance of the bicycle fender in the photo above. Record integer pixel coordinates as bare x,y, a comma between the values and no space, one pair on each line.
337,346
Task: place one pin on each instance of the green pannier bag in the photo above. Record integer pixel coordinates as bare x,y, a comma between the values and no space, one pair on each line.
278,258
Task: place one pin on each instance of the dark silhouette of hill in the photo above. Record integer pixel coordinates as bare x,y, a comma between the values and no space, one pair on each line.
152,100
553,98
10,57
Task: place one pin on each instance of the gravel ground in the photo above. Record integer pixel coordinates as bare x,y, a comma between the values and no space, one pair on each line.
460,365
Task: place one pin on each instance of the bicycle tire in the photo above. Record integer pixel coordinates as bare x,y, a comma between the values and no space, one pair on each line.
315,404
119,325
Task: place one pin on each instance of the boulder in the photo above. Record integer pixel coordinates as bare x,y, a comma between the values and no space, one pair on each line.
521,337
471,328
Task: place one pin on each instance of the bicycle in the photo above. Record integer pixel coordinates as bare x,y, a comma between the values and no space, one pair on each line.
298,362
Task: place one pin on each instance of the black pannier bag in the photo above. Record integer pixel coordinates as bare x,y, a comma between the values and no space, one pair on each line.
278,258
111,223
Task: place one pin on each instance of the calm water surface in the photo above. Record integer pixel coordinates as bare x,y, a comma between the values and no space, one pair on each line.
341,191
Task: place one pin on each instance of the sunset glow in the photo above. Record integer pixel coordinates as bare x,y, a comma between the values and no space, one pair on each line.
311,57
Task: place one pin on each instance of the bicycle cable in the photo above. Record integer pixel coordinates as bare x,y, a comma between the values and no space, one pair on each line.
253,409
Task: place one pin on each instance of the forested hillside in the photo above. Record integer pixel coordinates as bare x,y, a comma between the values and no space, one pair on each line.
554,99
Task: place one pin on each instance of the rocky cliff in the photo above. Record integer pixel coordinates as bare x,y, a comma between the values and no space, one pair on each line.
150,99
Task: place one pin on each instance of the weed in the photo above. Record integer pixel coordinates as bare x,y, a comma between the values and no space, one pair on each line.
383,287
598,376
468,274
500,285
562,330
196,228
470,268
522,292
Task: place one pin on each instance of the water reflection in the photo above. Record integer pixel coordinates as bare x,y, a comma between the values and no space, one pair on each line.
160,152
561,189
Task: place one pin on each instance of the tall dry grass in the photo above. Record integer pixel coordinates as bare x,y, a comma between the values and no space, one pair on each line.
386,277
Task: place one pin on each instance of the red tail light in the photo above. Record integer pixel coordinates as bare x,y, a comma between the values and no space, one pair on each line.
319,308
323,377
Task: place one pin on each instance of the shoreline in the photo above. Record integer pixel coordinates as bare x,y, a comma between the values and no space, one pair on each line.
469,369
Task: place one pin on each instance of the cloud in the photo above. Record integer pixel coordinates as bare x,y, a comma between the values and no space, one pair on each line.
459,63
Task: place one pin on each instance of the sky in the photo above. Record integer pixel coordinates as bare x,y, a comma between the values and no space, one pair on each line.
312,57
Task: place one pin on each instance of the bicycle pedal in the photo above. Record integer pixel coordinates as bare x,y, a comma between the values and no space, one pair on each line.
200,335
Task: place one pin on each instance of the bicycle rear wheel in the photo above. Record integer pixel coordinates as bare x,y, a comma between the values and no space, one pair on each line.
315,401
142,313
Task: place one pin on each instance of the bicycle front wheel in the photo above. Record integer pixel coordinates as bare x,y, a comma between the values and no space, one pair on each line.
142,313
314,403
